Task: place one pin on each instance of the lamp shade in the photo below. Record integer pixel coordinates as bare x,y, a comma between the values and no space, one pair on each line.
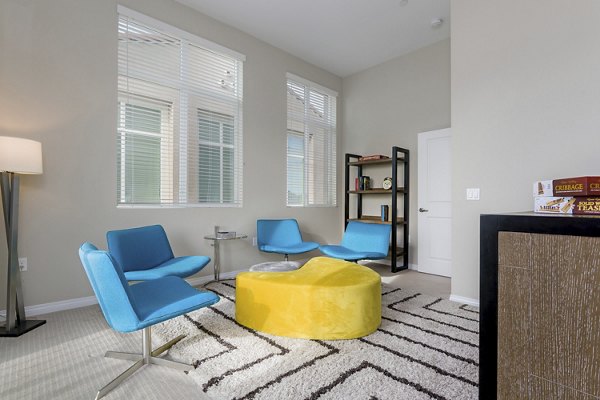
22,156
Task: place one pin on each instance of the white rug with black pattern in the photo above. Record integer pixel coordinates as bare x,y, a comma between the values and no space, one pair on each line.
425,348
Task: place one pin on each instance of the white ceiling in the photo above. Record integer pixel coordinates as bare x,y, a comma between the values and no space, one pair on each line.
340,36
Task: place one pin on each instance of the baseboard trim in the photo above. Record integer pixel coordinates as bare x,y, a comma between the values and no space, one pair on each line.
465,300
413,267
63,305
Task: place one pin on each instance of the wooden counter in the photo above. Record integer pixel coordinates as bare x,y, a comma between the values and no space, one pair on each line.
540,307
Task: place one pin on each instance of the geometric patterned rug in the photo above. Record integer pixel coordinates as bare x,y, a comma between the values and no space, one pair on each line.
425,348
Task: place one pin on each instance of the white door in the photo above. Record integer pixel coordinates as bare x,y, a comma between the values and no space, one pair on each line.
435,202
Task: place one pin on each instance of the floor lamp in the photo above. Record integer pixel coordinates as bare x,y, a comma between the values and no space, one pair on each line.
17,156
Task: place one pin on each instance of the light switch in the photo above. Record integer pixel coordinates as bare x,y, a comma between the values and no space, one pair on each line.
472,193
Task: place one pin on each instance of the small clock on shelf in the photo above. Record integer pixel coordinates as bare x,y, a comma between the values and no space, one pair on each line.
387,183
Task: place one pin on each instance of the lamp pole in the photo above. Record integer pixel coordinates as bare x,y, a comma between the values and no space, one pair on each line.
15,310
16,323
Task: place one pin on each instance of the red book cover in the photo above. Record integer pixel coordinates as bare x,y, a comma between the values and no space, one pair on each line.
580,186
587,206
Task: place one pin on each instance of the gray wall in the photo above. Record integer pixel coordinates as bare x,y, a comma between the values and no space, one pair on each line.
58,71
525,106
389,104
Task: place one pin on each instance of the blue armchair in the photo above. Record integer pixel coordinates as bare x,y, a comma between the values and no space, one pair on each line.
281,236
145,253
361,241
131,308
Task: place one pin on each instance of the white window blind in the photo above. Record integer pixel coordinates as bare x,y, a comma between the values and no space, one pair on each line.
311,144
179,134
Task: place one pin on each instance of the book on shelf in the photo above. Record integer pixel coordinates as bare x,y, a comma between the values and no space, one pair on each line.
373,157
385,212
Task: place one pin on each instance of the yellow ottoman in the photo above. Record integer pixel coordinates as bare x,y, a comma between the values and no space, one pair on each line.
325,299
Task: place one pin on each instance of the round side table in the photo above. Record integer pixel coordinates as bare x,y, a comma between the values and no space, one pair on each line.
216,245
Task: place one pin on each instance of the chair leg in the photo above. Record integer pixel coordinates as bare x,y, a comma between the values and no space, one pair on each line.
115,382
159,350
148,356
123,356
171,364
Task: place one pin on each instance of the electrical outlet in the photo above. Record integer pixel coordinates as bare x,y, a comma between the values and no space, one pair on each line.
23,264
254,241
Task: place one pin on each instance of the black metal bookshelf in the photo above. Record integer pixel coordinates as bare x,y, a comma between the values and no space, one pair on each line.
398,159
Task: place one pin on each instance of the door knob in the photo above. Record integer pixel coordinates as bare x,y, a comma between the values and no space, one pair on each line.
423,210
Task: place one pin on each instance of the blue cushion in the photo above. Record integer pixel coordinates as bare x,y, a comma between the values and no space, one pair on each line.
365,237
161,299
281,236
293,249
361,241
178,266
139,248
348,254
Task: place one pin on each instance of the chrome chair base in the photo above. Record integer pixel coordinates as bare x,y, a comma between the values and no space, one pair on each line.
148,356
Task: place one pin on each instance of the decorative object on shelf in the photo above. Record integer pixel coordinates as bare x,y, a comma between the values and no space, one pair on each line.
373,157
17,156
399,163
225,234
385,211
387,183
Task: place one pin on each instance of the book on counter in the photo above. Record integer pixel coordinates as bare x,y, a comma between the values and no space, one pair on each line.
586,205
553,205
578,186
567,205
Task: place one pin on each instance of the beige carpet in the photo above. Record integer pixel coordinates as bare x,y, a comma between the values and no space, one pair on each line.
64,360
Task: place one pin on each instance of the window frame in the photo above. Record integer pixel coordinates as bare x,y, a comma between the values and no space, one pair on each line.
184,102
329,126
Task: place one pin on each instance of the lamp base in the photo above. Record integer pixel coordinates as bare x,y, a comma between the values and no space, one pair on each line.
22,328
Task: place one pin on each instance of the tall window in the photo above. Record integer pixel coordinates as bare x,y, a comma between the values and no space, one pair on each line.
311,144
179,133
